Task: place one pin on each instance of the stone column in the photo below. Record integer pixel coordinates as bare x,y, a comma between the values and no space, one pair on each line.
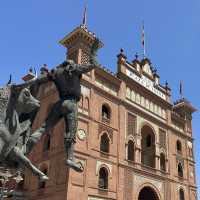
137,155
167,165
138,150
157,160
157,157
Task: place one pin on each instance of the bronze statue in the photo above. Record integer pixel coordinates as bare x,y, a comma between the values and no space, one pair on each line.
13,125
67,78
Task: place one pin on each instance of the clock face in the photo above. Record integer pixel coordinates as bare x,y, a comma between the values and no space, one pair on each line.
81,134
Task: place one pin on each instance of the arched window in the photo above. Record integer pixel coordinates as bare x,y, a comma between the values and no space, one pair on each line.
47,143
103,178
105,113
42,185
148,193
80,103
148,141
86,103
162,162
178,146
148,146
181,195
104,143
130,151
180,170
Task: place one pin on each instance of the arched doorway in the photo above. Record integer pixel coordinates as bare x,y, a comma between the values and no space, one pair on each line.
147,193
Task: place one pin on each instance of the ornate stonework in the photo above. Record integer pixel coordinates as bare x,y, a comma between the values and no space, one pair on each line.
100,163
81,134
141,180
103,128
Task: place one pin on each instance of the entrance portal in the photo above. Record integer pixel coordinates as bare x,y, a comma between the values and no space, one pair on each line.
147,193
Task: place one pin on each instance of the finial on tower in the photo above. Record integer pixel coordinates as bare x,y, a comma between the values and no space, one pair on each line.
167,86
84,22
121,54
136,56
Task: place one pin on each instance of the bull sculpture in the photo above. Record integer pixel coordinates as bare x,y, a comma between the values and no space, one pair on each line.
15,121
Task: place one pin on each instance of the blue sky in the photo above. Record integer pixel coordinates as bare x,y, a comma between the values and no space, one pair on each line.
31,29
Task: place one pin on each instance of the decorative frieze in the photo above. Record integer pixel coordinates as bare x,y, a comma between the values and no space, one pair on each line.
145,103
108,87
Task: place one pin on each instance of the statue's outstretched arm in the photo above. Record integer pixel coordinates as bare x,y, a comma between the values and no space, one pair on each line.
84,68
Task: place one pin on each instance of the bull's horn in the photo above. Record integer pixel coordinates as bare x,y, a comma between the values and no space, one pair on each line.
10,80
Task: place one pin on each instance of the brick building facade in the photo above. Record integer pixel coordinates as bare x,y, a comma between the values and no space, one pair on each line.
134,143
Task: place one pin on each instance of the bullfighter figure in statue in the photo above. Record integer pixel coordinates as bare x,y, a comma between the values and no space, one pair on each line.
67,78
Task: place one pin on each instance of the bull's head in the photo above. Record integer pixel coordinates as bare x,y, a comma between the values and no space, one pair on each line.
25,102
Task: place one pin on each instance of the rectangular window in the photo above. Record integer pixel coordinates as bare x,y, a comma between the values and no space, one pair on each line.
131,124
162,138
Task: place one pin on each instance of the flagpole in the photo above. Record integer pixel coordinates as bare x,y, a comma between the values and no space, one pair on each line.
181,90
143,40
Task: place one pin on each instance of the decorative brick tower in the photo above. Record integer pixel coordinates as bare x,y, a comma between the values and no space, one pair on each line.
78,44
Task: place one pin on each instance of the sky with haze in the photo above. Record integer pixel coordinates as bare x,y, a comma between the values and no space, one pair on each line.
31,29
